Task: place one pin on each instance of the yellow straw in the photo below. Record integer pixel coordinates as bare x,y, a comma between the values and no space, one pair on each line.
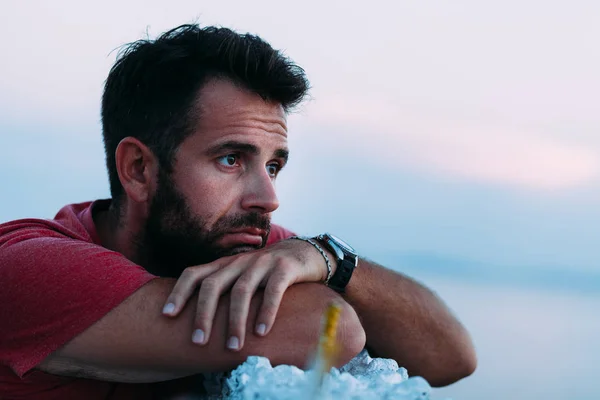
328,346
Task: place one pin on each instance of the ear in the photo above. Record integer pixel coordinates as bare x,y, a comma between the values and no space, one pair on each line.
137,167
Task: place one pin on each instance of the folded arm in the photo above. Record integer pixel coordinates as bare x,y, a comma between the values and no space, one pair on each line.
136,343
402,319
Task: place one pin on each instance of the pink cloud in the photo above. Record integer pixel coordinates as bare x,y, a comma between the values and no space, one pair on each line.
470,150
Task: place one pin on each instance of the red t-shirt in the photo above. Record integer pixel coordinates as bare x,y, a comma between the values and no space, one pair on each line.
56,280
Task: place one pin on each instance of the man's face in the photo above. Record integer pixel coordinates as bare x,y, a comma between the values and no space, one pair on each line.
219,198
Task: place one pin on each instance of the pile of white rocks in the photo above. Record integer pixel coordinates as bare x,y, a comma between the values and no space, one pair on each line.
362,378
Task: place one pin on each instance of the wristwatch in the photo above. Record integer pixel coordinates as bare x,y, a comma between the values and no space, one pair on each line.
346,260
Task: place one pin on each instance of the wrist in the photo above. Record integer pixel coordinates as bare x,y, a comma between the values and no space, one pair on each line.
325,259
346,260
328,256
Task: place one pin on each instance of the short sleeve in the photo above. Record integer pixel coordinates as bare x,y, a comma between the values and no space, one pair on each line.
52,289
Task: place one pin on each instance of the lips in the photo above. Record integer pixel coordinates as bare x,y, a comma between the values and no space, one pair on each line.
246,236
250,231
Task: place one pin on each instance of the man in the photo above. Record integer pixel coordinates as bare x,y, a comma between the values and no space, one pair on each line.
195,134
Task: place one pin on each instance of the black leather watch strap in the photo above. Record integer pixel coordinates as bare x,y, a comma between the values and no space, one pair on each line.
346,261
341,277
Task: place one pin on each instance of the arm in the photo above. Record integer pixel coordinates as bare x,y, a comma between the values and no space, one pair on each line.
135,343
405,321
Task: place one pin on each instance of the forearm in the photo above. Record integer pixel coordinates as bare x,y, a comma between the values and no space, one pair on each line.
405,321
134,343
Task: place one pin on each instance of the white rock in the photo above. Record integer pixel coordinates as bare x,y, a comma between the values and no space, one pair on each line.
362,378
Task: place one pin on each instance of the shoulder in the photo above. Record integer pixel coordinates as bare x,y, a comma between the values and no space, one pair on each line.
69,222
56,283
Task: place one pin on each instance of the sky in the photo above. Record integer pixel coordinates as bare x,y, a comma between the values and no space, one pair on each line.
454,140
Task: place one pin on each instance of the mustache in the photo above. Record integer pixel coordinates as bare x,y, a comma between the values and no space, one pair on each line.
250,220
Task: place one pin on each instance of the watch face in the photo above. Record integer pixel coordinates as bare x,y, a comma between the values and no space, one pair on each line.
342,243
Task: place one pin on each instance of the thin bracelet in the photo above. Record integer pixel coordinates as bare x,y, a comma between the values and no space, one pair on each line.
320,249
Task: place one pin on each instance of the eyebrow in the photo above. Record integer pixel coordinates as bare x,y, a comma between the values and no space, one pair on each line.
242,147
283,154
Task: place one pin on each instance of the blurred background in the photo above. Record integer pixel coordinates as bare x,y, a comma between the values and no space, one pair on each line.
457,142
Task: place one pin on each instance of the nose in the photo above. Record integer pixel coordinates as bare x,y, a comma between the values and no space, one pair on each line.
260,194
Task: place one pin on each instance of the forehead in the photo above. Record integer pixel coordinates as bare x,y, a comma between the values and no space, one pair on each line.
226,111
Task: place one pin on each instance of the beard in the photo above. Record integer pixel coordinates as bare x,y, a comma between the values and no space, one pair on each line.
174,238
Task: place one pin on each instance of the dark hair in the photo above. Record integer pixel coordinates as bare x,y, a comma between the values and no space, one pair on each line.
151,89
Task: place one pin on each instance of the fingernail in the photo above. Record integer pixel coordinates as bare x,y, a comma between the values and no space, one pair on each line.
261,329
233,343
198,336
168,308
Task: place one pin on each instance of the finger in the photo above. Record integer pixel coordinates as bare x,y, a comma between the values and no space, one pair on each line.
241,295
185,287
278,283
211,289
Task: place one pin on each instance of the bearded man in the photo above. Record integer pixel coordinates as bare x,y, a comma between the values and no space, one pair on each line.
181,272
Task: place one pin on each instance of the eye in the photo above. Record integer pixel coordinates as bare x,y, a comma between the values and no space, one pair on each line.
229,160
273,169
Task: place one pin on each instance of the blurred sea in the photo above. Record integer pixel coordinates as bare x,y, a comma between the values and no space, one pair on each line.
537,331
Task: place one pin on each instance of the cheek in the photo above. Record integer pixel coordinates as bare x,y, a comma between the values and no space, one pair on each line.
210,197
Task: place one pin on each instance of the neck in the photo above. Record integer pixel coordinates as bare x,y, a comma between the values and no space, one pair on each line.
123,232
118,232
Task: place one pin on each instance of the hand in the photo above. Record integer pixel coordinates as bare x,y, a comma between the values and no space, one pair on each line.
274,268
